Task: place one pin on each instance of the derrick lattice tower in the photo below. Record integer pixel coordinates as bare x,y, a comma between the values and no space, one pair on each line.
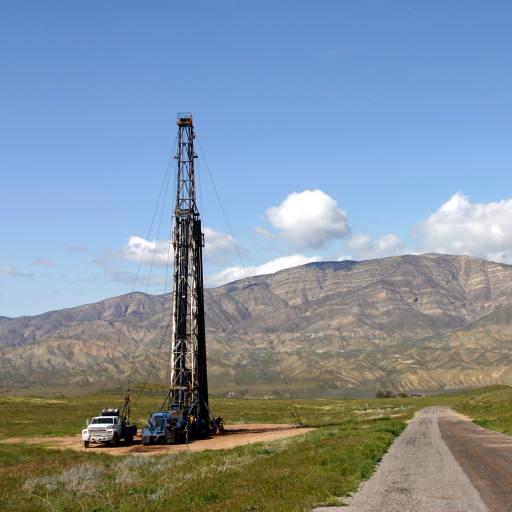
189,386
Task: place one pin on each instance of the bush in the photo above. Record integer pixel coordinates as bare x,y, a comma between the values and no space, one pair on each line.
384,394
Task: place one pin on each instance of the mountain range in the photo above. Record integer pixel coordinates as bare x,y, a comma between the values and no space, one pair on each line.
406,323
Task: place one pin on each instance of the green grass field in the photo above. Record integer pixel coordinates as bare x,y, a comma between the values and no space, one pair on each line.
293,474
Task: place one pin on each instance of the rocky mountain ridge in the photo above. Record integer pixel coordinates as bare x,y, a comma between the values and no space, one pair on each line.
423,322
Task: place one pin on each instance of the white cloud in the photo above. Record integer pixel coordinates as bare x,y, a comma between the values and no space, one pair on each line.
458,226
218,246
139,249
478,229
364,247
43,262
307,219
234,273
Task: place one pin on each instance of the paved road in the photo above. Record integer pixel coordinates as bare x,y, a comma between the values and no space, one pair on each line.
420,474
485,457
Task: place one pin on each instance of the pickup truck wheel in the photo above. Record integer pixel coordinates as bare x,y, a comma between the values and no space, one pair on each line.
115,440
128,438
86,444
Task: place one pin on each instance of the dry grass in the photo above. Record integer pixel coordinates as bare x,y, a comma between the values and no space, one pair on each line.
79,479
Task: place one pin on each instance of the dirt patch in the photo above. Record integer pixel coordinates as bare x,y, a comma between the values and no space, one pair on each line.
234,435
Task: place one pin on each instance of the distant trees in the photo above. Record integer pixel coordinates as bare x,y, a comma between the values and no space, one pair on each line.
384,393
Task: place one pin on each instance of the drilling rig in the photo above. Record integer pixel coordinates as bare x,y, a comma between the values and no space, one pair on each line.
185,412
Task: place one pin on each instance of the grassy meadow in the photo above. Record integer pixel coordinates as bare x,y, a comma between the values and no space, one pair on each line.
293,474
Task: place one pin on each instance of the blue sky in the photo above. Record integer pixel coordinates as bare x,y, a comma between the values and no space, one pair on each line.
377,127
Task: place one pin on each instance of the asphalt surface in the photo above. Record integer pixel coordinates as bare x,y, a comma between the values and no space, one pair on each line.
485,457
419,473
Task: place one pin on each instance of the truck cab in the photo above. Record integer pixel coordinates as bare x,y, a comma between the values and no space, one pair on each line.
108,428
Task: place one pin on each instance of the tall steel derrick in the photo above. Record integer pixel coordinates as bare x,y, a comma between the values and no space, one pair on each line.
189,387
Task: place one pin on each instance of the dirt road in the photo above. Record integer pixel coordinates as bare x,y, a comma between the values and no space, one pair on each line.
420,474
235,435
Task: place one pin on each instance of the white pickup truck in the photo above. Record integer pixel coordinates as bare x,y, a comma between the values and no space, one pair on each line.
108,428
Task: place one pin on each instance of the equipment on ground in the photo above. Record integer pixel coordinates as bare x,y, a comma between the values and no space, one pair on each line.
187,413
110,426
167,427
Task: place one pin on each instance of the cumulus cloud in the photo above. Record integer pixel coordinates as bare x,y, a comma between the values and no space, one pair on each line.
43,262
364,247
307,219
478,229
146,251
234,273
218,246
458,226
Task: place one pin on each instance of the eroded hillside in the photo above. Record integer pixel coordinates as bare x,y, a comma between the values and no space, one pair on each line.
410,322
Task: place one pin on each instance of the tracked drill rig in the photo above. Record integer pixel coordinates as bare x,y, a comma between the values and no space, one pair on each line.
185,412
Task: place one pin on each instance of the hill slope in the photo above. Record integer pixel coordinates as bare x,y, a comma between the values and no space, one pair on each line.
410,322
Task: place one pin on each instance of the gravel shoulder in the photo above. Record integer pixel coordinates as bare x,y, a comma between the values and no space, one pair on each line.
418,474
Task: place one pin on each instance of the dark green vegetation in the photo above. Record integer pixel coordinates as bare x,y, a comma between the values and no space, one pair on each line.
292,474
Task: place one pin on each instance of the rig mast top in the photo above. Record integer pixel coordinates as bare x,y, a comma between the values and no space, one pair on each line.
184,119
